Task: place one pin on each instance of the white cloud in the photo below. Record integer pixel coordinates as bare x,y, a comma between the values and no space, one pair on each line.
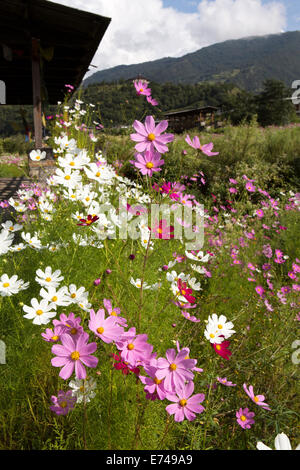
145,30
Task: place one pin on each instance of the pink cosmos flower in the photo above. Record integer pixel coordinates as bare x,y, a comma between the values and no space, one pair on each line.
148,163
141,87
245,418
185,405
250,187
105,328
226,382
153,384
175,369
152,101
189,317
63,403
115,312
257,399
260,291
162,230
53,336
233,190
260,213
134,348
74,354
149,136
71,324
206,149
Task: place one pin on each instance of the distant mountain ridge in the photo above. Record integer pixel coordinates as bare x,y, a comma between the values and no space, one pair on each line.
245,62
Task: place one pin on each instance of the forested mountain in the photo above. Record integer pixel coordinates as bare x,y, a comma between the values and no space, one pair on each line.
245,62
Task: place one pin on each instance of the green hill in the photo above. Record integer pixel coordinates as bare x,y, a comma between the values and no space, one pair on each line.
245,62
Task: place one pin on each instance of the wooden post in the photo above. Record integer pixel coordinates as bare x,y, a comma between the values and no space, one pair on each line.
36,89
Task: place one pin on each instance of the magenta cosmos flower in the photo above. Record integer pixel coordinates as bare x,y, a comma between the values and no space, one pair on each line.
257,399
153,384
74,354
185,405
148,163
149,136
175,369
105,328
63,402
115,312
206,149
245,418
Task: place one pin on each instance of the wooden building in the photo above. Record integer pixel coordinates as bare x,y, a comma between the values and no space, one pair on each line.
180,121
43,47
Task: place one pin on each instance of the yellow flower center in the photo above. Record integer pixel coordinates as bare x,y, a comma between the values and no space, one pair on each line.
6,284
151,137
72,163
73,331
183,292
149,165
98,174
63,404
218,347
75,355
89,221
87,199
220,327
113,313
157,381
38,157
183,402
11,228
159,230
212,335
54,298
130,346
243,418
73,296
256,399
55,338
173,366
141,90
100,330
39,312
67,177
48,279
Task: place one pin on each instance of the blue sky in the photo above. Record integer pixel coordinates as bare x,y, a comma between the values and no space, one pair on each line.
292,9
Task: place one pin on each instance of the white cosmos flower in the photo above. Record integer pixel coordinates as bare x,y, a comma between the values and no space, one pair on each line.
11,227
18,206
6,239
213,335
194,284
221,325
58,297
40,312
138,283
197,256
102,174
198,269
83,389
282,442
77,295
67,178
37,155
33,242
18,247
47,278
11,285
174,277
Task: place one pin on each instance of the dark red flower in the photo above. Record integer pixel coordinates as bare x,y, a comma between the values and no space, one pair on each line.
222,349
90,220
185,291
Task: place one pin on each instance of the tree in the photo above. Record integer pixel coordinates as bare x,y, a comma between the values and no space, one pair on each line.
273,106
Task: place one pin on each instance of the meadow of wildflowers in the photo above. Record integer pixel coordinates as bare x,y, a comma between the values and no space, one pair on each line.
118,334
